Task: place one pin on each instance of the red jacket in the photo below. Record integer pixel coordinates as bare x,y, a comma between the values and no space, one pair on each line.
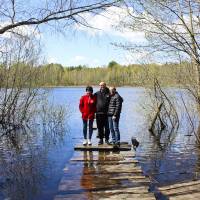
87,106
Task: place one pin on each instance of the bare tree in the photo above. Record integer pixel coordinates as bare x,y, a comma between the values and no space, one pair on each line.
56,13
18,76
172,28
165,115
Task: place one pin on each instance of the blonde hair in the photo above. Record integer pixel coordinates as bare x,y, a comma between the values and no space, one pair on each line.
102,83
112,88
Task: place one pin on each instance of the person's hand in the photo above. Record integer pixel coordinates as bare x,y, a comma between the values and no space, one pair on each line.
114,117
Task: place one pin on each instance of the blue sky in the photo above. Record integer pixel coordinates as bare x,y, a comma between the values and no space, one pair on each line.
82,49
92,47
86,46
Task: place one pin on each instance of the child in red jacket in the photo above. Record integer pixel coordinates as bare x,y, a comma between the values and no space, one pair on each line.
87,107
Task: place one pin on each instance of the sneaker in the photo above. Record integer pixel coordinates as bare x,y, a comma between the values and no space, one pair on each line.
100,142
89,142
84,142
112,143
118,144
116,147
107,142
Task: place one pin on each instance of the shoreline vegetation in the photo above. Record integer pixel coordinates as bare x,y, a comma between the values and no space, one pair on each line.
133,75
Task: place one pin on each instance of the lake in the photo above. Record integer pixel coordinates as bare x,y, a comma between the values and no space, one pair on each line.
31,163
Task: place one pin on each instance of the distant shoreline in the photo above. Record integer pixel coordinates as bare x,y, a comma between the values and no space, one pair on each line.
124,86
75,86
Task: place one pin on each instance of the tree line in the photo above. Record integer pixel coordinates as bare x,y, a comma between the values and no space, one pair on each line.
137,75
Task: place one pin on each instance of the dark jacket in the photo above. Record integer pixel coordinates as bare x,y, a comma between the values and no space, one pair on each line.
103,99
115,105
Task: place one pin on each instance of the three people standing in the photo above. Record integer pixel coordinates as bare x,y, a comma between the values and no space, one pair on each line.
107,105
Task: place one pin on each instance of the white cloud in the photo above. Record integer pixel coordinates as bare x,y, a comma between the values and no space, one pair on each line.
79,58
94,62
51,60
106,23
83,60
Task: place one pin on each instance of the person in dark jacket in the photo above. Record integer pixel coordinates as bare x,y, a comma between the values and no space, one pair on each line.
87,107
103,98
114,110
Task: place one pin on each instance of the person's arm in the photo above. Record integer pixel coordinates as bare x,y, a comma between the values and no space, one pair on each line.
95,104
118,106
81,105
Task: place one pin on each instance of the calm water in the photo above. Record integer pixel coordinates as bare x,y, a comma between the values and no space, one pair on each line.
31,164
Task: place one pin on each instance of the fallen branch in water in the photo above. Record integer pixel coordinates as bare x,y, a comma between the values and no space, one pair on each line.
157,115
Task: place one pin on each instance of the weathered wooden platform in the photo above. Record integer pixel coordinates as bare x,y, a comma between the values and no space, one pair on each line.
104,147
182,191
104,175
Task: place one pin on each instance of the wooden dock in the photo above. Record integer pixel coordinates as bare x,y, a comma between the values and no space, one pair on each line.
123,147
104,175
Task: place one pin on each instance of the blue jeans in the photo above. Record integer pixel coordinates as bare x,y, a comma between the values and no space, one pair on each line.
114,129
85,122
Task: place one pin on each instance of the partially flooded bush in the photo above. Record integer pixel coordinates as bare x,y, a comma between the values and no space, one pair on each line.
162,115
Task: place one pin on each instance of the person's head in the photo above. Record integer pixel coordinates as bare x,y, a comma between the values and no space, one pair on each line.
112,90
89,90
102,85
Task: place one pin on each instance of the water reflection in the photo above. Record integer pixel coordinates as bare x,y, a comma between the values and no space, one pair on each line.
87,179
22,173
96,175
172,164
24,160
173,157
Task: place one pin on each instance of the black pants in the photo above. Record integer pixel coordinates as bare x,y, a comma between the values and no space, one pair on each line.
103,126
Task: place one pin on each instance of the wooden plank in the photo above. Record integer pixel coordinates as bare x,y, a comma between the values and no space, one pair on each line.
129,154
85,196
141,177
94,160
182,191
105,162
102,148
115,172
109,158
193,196
129,196
110,145
179,185
119,167
131,178
132,190
117,162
